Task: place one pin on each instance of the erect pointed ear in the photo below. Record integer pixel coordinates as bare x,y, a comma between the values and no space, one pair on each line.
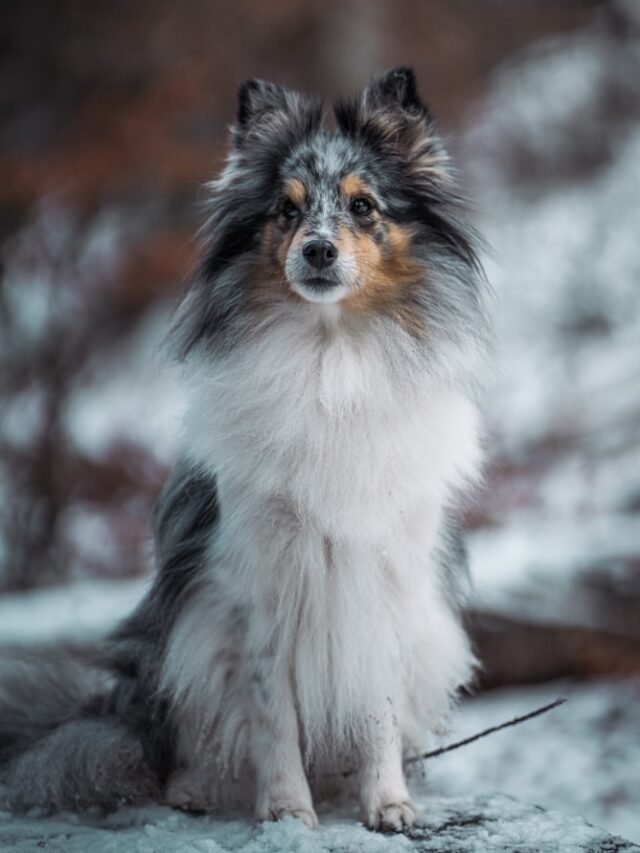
257,97
266,108
391,114
395,90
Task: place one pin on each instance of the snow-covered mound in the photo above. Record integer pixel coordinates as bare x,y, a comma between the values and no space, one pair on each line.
460,825
77,613
581,758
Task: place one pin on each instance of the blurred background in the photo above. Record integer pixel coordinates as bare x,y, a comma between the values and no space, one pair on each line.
113,115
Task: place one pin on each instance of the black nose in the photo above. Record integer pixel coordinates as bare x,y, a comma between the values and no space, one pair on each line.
319,253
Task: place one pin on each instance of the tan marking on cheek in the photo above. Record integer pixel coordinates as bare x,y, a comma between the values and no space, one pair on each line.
388,275
283,251
268,237
269,282
398,245
425,160
274,247
353,185
362,248
293,243
296,191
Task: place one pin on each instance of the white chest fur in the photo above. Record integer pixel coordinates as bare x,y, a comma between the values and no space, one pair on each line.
352,431
334,456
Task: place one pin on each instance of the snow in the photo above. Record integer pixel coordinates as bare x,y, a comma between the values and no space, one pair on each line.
581,758
564,412
565,258
455,825
529,568
81,612
129,391
134,392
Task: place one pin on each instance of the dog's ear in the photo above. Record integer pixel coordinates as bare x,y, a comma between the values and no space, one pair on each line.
391,115
265,108
257,98
395,90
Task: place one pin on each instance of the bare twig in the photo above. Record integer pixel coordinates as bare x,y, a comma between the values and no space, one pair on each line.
434,753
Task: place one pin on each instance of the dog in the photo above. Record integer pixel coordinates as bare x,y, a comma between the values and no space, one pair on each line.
305,615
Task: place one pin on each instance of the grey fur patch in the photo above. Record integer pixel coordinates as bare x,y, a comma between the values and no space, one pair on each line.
82,764
56,751
41,691
454,564
185,516
79,733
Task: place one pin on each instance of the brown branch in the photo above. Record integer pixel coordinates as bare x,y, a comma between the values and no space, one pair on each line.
514,722
434,753
520,651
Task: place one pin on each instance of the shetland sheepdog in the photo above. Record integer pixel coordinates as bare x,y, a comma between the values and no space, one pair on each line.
305,614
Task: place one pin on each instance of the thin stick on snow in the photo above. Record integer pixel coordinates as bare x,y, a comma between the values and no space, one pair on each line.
514,722
434,753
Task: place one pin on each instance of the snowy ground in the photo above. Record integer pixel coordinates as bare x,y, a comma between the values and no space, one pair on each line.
462,825
581,759
76,613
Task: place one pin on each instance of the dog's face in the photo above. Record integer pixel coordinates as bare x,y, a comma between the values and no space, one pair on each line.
364,216
339,225
331,237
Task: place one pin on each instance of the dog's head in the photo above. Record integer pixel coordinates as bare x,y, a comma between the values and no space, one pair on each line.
364,216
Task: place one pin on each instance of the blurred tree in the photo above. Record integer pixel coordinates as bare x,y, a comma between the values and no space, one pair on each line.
64,301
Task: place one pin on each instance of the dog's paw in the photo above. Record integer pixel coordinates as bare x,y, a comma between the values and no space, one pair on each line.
278,808
391,816
185,791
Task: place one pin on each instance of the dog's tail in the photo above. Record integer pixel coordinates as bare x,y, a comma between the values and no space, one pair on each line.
60,746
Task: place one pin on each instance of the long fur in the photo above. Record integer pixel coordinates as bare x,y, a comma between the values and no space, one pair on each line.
305,609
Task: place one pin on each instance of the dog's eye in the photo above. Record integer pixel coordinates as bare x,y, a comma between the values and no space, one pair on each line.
361,206
289,210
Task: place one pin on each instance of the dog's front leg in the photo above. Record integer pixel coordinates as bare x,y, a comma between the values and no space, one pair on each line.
282,786
384,798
